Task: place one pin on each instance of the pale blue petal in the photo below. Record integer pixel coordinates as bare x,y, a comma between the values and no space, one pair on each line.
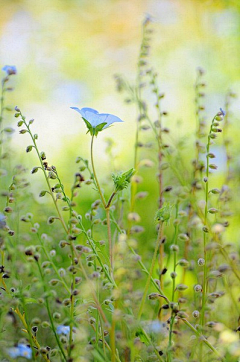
95,118
13,352
92,118
20,351
78,110
87,113
25,351
110,118
65,330
89,110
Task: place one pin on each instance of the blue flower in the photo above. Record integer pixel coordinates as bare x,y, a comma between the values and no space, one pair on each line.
63,330
222,111
2,221
10,69
158,327
96,121
20,351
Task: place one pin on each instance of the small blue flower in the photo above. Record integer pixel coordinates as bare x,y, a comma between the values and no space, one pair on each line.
2,221
10,69
96,121
20,351
223,112
158,327
65,330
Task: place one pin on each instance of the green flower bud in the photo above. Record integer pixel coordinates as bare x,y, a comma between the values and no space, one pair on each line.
42,193
174,248
181,287
173,275
43,156
213,210
45,324
29,148
164,213
183,262
56,315
198,288
52,175
183,237
213,166
215,191
122,180
53,282
195,314
35,169
51,219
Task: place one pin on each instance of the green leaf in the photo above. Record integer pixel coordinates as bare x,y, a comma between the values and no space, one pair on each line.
94,130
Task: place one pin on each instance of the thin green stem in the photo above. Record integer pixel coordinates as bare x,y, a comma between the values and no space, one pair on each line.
50,314
150,273
32,338
95,176
175,241
110,240
204,340
91,242
1,119
204,287
45,175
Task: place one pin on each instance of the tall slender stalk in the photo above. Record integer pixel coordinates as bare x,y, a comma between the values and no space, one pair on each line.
150,271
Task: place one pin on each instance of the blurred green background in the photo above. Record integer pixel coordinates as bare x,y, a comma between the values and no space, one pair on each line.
67,52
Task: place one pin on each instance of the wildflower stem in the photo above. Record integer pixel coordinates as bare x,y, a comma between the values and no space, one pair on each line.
98,305
110,200
150,272
204,340
204,287
156,285
175,239
31,336
1,119
95,176
110,240
45,175
150,342
106,207
91,242
50,314
52,263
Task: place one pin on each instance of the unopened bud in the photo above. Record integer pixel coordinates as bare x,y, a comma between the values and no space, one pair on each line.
181,287
201,261
198,288
195,314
